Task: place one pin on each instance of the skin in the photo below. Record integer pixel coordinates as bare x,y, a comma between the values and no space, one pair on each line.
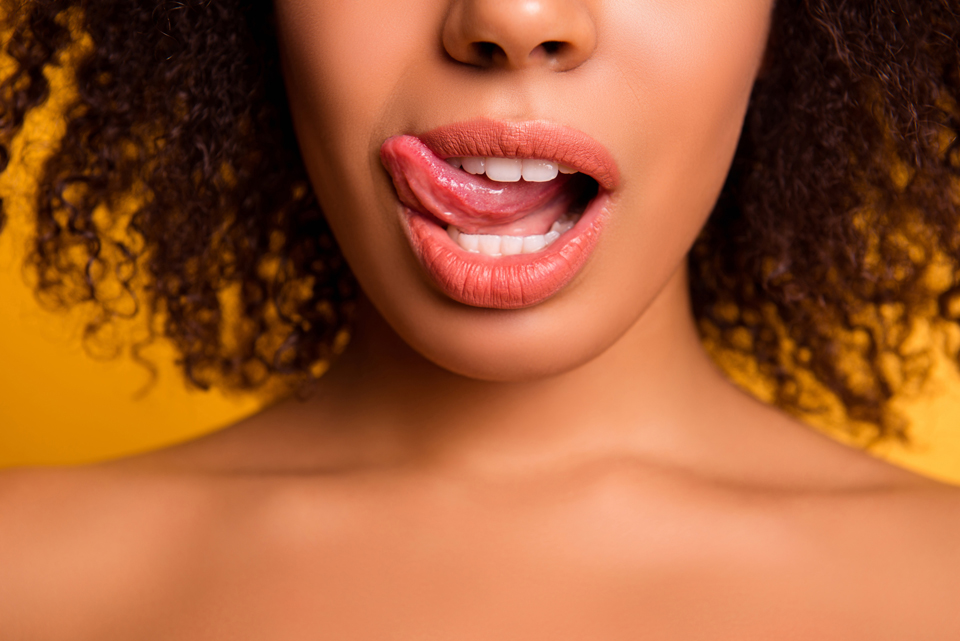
577,469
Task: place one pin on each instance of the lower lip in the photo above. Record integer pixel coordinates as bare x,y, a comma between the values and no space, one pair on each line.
504,282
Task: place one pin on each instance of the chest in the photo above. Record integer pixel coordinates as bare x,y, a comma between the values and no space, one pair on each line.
614,567
383,586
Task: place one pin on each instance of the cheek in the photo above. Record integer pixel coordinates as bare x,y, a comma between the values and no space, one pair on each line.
342,66
703,84
329,46
689,66
341,70
685,78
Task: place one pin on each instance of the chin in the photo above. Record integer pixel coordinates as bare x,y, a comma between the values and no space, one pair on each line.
511,346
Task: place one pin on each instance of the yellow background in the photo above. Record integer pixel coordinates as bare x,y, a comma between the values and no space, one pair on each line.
58,405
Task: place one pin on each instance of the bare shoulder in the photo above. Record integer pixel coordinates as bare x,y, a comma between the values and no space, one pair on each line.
893,512
94,499
772,449
847,527
889,552
91,544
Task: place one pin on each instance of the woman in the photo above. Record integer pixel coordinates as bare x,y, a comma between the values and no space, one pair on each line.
525,437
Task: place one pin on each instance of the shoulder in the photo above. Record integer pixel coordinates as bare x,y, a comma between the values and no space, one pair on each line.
877,551
89,499
833,494
869,541
771,449
91,544
889,552
127,550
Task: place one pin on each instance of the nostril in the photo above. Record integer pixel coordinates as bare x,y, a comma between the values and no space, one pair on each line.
552,47
487,53
558,35
551,52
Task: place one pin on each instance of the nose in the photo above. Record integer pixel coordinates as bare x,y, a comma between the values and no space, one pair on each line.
518,34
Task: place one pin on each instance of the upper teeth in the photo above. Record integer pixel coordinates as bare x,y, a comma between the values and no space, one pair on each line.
510,170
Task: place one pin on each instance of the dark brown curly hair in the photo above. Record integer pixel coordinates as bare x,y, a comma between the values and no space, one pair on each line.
819,261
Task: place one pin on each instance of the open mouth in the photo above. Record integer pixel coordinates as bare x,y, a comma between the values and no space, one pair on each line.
501,215
534,218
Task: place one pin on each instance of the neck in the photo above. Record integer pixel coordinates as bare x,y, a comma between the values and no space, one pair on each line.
643,394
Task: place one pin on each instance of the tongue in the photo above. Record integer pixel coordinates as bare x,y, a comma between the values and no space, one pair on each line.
474,204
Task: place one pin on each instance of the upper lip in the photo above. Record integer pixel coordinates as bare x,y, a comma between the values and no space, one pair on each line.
526,139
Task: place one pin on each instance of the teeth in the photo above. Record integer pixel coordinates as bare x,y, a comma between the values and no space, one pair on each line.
489,244
510,170
470,242
533,244
473,165
505,170
510,245
539,171
496,245
562,225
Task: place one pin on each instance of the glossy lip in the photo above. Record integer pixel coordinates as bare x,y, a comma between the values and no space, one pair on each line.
522,280
530,139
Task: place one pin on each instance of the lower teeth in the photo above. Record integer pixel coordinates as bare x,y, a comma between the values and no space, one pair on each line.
496,245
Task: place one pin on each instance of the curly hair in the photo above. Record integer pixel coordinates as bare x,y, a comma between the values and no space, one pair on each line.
179,159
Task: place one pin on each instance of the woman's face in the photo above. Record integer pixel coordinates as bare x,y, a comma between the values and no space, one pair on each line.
645,98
